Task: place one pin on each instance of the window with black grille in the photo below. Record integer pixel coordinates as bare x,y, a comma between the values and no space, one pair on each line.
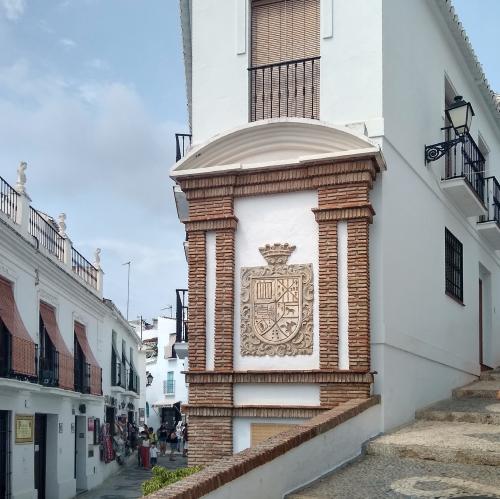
454,266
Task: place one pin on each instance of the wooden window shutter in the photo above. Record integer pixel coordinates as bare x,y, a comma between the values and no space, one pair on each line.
284,30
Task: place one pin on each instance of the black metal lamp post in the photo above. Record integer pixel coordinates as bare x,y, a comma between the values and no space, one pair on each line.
149,378
460,115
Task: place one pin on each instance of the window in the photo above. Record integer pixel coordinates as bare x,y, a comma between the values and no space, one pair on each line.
169,384
454,266
285,50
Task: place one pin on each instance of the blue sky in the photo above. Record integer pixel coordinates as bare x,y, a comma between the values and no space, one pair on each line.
91,94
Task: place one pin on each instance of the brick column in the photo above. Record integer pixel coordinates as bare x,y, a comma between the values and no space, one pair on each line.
224,300
210,438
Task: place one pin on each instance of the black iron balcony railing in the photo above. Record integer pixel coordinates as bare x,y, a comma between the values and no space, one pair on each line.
465,160
8,199
25,370
182,145
115,373
46,234
492,193
181,316
285,89
49,368
82,377
133,381
83,268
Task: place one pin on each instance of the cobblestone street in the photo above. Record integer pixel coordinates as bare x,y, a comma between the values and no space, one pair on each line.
126,484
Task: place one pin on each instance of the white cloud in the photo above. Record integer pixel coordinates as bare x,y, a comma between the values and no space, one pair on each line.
97,63
67,43
14,9
95,152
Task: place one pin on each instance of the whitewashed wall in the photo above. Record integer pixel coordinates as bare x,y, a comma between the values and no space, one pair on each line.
280,218
18,261
306,462
159,368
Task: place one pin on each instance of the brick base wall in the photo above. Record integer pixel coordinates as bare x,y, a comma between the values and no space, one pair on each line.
210,438
332,395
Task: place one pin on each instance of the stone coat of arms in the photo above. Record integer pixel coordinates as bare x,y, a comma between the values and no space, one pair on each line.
277,305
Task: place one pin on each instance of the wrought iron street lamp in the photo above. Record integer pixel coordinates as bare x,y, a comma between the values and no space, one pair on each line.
149,378
459,114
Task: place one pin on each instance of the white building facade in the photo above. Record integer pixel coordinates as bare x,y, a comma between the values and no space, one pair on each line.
58,402
168,390
309,122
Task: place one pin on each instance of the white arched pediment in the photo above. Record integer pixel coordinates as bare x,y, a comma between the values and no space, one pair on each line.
276,142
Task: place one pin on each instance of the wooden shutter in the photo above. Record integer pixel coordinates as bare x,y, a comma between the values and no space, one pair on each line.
284,30
262,431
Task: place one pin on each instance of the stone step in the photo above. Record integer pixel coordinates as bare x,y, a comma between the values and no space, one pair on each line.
447,442
490,375
487,389
473,410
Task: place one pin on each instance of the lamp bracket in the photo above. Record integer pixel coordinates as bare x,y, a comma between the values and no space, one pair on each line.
436,151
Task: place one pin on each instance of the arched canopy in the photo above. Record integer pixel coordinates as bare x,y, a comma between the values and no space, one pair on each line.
273,143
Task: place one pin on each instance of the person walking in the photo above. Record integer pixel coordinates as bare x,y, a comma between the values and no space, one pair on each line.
185,438
162,438
173,443
145,450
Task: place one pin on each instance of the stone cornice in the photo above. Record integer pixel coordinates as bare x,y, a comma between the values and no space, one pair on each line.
344,212
229,222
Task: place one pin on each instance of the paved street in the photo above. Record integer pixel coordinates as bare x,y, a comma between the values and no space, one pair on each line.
126,484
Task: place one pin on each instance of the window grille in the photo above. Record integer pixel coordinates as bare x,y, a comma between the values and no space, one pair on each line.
454,266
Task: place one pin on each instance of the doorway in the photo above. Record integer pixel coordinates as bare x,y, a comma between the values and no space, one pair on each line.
40,454
4,454
80,453
484,317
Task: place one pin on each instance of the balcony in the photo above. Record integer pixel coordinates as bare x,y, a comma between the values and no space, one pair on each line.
8,199
285,89
83,268
489,225
133,381
48,367
463,178
182,145
46,234
82,377
24,364
181,324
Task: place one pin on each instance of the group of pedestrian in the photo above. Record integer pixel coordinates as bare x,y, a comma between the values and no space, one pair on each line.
176,437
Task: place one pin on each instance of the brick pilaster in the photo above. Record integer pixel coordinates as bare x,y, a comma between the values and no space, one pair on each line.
197,299
210,438
224,300
328,296
359,293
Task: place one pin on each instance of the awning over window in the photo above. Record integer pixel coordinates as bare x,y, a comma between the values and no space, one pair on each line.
66,363
81,336
23,347
95,368
49,321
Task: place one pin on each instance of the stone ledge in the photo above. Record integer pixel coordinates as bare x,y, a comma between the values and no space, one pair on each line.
228,469
275,411
322,376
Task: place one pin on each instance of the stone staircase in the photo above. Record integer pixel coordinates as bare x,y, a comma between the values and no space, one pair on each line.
454,443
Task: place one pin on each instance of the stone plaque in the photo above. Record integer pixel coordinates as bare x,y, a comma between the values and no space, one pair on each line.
277,305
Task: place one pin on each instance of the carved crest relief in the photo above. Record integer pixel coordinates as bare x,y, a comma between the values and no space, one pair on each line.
277,305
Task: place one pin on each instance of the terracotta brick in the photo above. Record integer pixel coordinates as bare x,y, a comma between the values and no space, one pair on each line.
332,395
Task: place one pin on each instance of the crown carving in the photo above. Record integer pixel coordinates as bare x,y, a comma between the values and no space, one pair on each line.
277,254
